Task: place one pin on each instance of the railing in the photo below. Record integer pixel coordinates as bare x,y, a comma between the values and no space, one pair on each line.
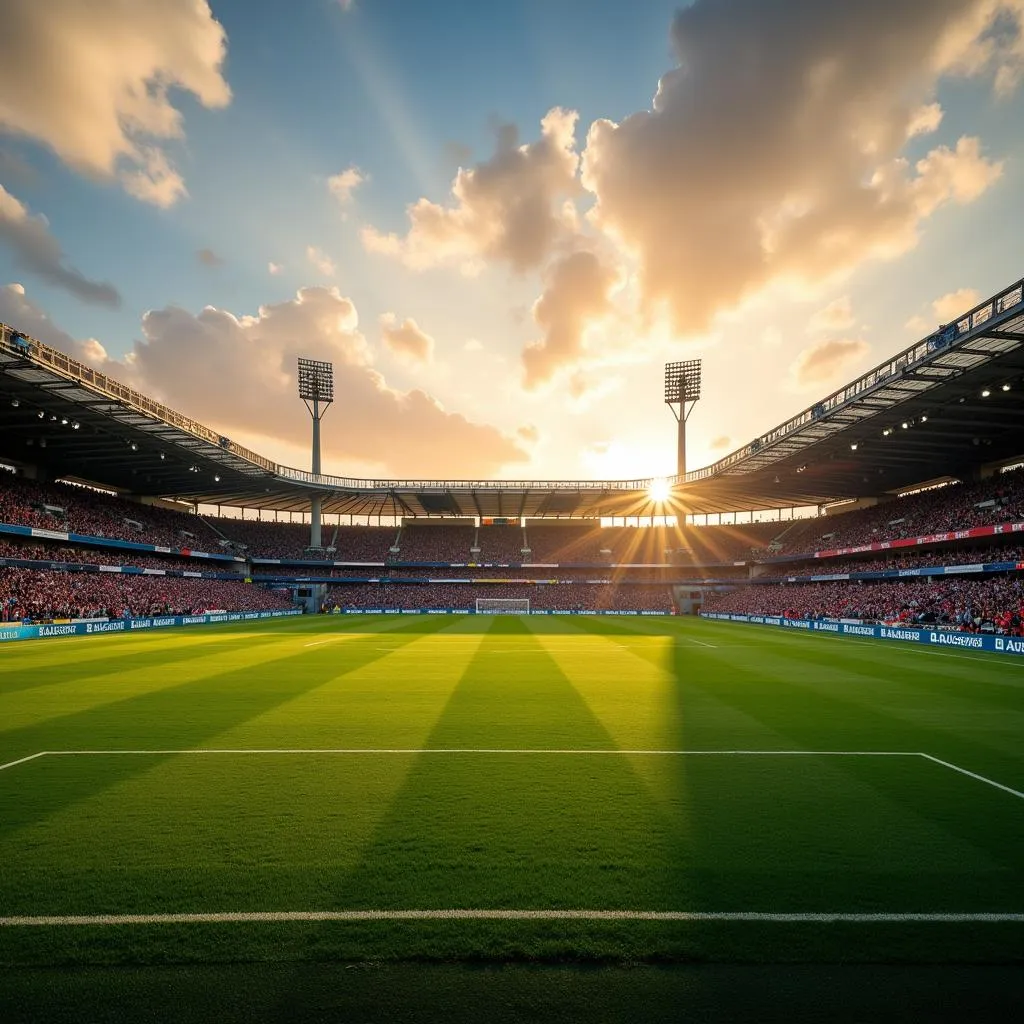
99,382
913,357
353,484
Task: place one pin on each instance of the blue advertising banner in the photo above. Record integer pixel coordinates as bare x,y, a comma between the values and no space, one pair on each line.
11,631
911,634
473,611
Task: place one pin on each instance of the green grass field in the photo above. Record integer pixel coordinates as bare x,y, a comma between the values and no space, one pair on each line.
632,771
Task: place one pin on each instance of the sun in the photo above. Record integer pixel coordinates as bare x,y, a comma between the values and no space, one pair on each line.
659,490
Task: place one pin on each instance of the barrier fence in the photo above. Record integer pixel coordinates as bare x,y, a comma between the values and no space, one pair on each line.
911,634
98,627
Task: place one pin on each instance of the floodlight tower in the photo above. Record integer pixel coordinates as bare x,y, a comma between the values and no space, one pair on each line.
682,387
316,389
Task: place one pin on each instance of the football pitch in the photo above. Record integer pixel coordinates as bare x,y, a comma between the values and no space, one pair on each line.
508,789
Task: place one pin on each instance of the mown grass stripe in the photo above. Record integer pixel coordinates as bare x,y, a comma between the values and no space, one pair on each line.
273,917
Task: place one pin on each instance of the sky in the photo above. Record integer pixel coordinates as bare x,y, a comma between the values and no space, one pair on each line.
500,221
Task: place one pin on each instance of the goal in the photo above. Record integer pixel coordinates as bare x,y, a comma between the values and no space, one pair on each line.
503,606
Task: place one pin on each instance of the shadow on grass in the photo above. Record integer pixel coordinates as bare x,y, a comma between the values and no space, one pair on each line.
174,717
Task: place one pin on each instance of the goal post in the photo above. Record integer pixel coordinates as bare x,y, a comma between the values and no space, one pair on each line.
503,606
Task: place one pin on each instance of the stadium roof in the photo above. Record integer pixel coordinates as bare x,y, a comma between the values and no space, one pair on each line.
940,408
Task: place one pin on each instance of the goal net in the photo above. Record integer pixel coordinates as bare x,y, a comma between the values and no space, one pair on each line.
503,606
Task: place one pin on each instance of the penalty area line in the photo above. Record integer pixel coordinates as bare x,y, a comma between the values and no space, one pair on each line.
22,760
974,775
271,917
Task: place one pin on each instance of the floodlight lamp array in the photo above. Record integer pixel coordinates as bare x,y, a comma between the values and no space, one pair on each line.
316,381
682,381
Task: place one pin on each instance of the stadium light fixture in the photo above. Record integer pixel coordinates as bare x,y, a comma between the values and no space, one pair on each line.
985,393
41,414
853,447
216,478
924,419
905,425
660,490
162,456
886,432
1006,387
682,388
75,425
316,389
15,402
63,421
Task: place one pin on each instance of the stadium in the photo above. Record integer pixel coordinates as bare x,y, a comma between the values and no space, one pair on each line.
511,512
260,666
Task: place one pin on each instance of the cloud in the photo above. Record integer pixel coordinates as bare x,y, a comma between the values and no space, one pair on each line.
406,339
720,442
824,361
473,345
274,269
508,209
320,260
209,258
155,181
184,359
37,251
954,304
925,120
773,152
771,337
343,185
577,294
945,310
529,433
92,81
836,316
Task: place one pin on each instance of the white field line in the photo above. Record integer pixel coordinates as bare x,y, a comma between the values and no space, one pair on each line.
974,775
270,917
694,640
22,760
517,751
596,752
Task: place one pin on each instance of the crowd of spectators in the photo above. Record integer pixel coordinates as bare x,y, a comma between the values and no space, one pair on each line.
556,542
435,543
565,597
42,596
912,558
999,499
55,552
500,544
71,509
955,602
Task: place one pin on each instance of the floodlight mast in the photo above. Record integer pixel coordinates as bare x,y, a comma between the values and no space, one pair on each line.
316,389
682,388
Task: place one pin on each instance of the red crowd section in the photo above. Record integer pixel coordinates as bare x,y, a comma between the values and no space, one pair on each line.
955,602
41,596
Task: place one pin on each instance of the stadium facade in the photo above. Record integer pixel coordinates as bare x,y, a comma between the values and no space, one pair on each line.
948,408
934,410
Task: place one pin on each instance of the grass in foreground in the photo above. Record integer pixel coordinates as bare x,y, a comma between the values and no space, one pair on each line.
169,832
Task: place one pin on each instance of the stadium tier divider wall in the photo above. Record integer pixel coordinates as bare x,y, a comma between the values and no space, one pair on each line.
907,634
